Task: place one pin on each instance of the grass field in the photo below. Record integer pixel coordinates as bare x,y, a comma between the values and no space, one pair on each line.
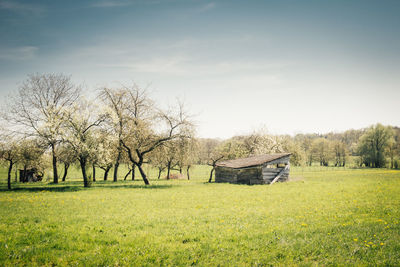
323,217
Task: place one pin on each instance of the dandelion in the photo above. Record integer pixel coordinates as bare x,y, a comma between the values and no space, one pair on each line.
355,239
381,244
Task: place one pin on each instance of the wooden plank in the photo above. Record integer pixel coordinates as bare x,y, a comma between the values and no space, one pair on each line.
225,175
272,170
269,177
280,174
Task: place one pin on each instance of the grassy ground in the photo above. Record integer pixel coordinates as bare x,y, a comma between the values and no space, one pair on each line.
324,217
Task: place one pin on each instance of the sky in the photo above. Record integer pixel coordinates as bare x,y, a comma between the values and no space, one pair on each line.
288,66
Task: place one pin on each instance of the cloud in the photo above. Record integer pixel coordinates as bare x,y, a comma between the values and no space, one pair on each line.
122,3
190,57
112,3
18,53
21,8
207,7
171,65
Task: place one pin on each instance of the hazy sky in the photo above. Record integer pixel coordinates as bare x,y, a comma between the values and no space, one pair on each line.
291,66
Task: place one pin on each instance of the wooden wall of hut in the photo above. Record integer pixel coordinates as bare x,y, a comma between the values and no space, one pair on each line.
263,174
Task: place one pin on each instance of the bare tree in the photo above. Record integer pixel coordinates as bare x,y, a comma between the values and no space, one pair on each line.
158,159
105,151
9,152
80,134
148,127
187,155
38,110
213,163
116,101
67,157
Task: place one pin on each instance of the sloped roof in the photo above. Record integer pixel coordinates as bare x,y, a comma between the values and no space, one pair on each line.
251,161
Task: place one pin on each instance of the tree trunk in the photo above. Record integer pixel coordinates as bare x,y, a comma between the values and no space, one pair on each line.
24,175
116,165
86,182
168,169
180,170
9,175
159,173
133,172
94,172
55,174
144,177
211,174
66,166
127,174
187,172
106,173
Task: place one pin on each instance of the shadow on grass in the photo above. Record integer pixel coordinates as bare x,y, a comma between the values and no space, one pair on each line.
78,186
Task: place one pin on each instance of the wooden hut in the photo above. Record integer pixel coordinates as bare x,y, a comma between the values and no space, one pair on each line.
263,169
30,175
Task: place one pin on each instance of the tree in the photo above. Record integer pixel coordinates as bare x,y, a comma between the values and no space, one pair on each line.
9,152
260,142
339,152
393,148
148,127
214,159
206,149
373,145
321,150
297,157
159,160
257,143
106,151
66,156
171,155
39,109
30,152
188,149
117,103
306,143
80,134
234,148
351,139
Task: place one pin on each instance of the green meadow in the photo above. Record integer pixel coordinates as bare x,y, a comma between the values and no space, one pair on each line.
324,216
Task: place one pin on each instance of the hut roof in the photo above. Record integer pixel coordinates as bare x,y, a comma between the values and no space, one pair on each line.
251,161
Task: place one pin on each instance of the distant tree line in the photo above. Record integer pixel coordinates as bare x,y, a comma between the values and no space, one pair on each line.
377,146
49,123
